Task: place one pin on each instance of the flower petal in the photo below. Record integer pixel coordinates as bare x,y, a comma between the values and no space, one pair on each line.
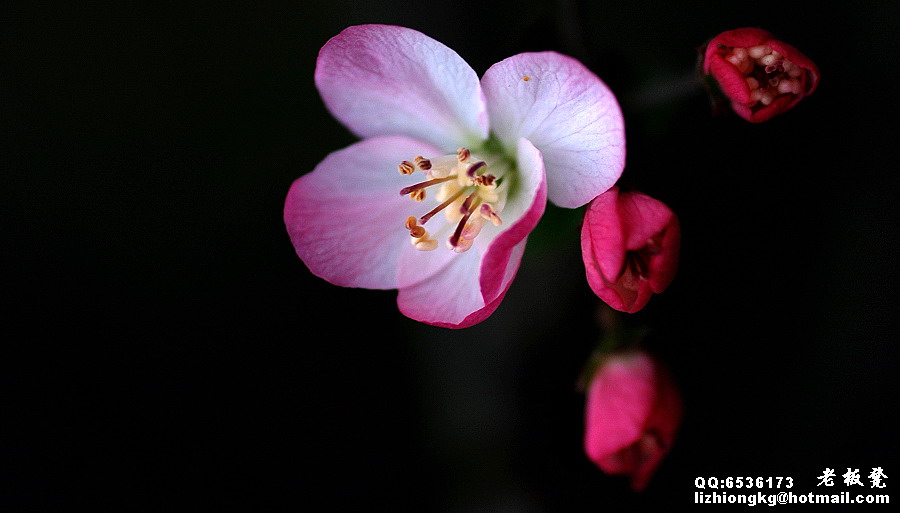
568,113
733,82
743,37
642,217
524,211
472,284
446,298
452,298
602,239
345,218
664,422
389,80
620,400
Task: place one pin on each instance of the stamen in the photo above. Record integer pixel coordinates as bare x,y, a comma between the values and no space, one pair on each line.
786,86
426,245
424,219
474,168
422,163
467,204
488,213
767,73
454,239
420,239
767,60
461,246
634,270
421,185
757,52
463,183
485,180
473,228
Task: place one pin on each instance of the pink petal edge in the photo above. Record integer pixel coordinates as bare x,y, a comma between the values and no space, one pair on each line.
391,80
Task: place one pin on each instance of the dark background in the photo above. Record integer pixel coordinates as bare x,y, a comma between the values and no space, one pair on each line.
165,350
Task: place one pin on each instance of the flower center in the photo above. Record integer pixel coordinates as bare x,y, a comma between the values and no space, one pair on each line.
470,192
768,74
637,264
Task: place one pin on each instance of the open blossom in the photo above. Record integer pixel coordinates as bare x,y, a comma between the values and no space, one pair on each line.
452,173
759,74
632,413
629,244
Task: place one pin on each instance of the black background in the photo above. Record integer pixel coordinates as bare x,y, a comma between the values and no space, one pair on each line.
167,351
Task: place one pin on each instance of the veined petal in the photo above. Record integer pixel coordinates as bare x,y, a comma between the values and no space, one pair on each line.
345,218
568,113
602,228
389,80
471,285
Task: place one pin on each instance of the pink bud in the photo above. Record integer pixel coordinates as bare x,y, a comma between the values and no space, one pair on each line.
631,417
759,74
629,244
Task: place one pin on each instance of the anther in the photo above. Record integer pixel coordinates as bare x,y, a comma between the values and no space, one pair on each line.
426,245
422,163
418,195
757,52
485,180
410,223
474,168
417,231
488,213
462,154
473,228
406,168
767,60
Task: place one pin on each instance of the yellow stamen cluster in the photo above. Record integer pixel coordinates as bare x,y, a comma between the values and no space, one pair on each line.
468,196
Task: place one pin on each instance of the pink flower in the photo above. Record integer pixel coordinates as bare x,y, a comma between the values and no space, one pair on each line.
759,74
490,152
632,413
629,244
